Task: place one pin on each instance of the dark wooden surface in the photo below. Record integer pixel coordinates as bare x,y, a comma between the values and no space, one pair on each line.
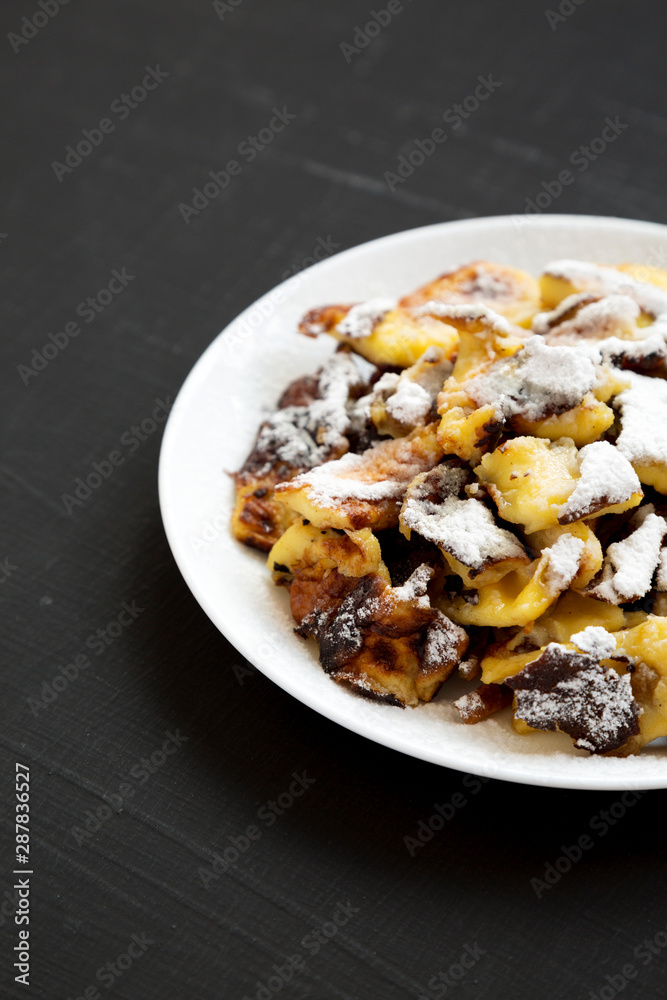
342,841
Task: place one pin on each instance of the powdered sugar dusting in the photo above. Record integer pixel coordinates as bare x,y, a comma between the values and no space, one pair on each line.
630,564
595,641
328,484
644,352
543,322
304,436
607,478
381,473
609,281
606,329
410,404
568,691
487,285
362,319
643,409
444,643
415,586
464,528
564,557
613,315
469,313
535,382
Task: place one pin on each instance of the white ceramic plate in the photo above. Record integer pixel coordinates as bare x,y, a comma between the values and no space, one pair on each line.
211,429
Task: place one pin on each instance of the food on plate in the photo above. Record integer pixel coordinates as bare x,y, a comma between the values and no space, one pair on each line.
475,484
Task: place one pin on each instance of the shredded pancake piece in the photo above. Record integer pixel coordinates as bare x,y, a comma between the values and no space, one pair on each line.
462,526
607,478
630,564
359,491
571,692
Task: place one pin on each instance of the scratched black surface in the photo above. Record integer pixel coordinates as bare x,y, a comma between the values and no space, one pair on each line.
138,873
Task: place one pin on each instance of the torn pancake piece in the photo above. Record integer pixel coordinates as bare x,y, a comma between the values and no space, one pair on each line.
530,479
523,595
485,700
538,381
382,332
646,646
363,491
512,293
541,484
308,428
611,328
607,483
387,643
463,528
584,316
467,429
629,565
562,278
643,437
364,317
569,692
537,389
399,403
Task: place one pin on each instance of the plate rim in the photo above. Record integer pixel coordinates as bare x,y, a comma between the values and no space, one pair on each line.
607,780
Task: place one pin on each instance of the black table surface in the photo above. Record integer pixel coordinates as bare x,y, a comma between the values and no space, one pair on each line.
152,751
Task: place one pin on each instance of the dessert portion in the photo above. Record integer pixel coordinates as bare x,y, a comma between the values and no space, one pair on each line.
476,483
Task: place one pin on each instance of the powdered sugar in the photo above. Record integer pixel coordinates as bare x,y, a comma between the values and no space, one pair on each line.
487,285
568,691
304,436
564,557
629,565
409,397
415,586
609,281
344,630
362,319
444,643
613,315
535,382
464,528
381,473
329,484
386,383
645,352
471,314
410,404
605,329
595,641
606,478
543,322
643,409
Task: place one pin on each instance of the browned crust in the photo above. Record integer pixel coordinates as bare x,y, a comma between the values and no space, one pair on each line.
587,510
369,640
258,518
310,592
483,702
576,714
323,319
443,289
301,392
399,459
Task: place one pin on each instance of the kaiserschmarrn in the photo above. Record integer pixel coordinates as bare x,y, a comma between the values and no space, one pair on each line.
476,482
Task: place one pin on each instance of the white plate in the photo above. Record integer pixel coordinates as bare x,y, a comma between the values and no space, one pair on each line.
211,429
